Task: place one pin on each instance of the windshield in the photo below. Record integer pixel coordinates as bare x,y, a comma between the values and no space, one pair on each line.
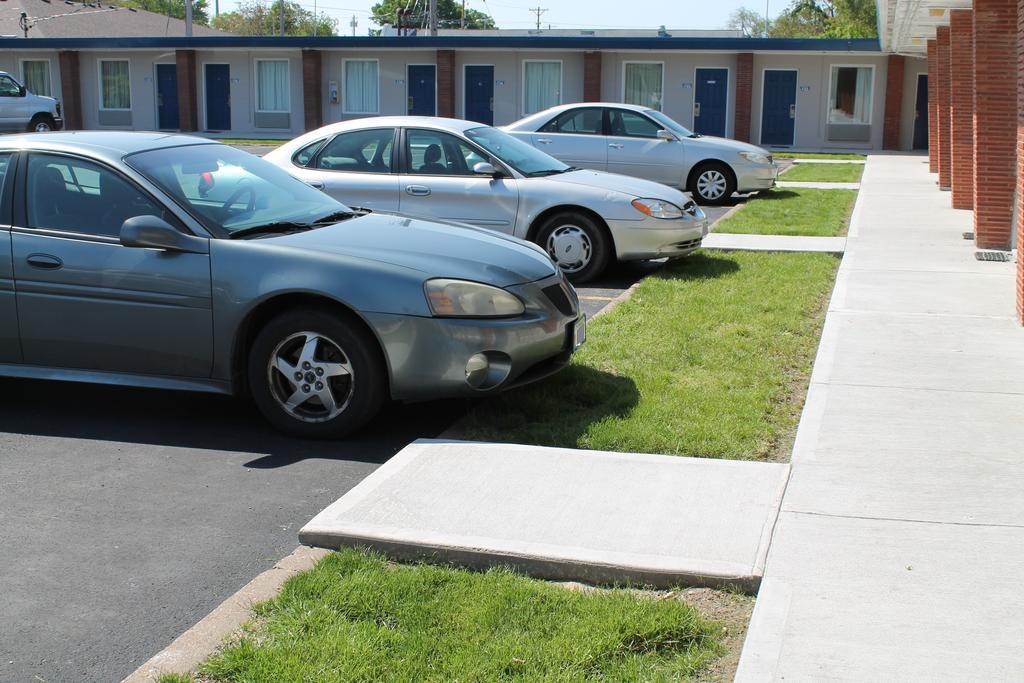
229,190
669,124
520,155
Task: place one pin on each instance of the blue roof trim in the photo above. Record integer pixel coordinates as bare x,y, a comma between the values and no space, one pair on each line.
442,42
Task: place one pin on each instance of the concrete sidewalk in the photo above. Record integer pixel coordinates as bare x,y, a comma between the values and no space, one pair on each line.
813,185
740,242
563,513
900,546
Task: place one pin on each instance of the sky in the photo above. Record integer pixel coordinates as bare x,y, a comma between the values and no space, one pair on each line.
694,14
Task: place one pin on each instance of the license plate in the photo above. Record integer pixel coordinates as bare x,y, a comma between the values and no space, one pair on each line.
579,332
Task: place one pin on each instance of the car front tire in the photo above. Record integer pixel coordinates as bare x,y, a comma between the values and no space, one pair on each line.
576,243
712,183
316,374
41,123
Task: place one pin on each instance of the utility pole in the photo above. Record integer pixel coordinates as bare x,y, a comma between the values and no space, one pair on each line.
282,18
188,18
538,11
353,24
765,18
316,17
462,21
433,17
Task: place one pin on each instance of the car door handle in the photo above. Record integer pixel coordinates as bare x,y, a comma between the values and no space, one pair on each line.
544,141
417,190
315,183
44,261
616,145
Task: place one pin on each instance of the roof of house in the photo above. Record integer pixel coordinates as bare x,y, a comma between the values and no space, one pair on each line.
67,19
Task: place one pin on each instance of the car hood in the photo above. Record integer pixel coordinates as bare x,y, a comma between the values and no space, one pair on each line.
725,144
613,182
435,248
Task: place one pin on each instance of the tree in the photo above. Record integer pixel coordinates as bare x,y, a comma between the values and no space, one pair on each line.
263,18
174,8
827,19
749,22
449,14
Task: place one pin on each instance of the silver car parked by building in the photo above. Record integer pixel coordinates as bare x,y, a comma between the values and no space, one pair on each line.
168,261
645,143
463,171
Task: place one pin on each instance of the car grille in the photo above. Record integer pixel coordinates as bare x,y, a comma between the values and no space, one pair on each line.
689,244
563,297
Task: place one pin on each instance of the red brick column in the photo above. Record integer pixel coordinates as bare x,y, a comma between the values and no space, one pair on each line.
1020,161
312,89
942,86
995,121
446,83
70,90
188,118
893,102
933,107
744,93
961,59
591,76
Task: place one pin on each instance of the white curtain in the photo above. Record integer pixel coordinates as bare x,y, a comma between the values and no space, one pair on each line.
116,88
36,75
862,103
644,85
272,85
851,94
542,87
361,84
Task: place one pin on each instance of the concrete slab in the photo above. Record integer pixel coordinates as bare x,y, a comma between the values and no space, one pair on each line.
929,292
827,161
739,242
564,514
880,600
817,186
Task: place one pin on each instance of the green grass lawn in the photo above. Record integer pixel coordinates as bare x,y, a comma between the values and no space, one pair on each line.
356,617
819,155
824,173
792,211
710,357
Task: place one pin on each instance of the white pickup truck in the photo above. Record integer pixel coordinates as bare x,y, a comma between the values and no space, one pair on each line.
21,110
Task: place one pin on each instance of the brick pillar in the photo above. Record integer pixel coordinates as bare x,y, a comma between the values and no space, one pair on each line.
446,83
961,59
312,89
1020,161
942,87
744,92
995,119
188,118
70,90
893,102
933,107
592,77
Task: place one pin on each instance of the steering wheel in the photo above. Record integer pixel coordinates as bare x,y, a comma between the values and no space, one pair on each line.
250,207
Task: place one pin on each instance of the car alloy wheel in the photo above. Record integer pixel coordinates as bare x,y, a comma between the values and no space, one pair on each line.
570,248
43,127
310,377
711,184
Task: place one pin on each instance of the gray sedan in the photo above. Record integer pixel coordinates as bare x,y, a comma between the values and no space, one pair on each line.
171,262
645,143
462,171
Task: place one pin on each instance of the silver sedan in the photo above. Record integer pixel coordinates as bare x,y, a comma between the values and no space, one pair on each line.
645,143
168,261
465,172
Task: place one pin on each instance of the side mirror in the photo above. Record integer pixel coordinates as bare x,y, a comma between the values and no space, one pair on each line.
153,232
667,135
484,168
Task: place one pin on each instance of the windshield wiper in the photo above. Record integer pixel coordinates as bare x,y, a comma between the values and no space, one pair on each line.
286,227
550,171
335,217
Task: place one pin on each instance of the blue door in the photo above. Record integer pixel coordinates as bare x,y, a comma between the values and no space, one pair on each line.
921,113
778,107
710,101
422,80
167,96
480,94
218,96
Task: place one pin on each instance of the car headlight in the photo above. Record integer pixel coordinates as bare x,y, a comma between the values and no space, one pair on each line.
657,208
756,157
464,299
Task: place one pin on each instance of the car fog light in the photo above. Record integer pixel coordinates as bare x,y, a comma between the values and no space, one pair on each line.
487,369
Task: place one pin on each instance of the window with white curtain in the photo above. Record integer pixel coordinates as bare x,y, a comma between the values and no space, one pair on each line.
35,74
643,84
115,84
361,86
272,85
542,85
850,100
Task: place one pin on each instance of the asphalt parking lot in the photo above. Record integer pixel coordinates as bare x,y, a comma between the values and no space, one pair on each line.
127,515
